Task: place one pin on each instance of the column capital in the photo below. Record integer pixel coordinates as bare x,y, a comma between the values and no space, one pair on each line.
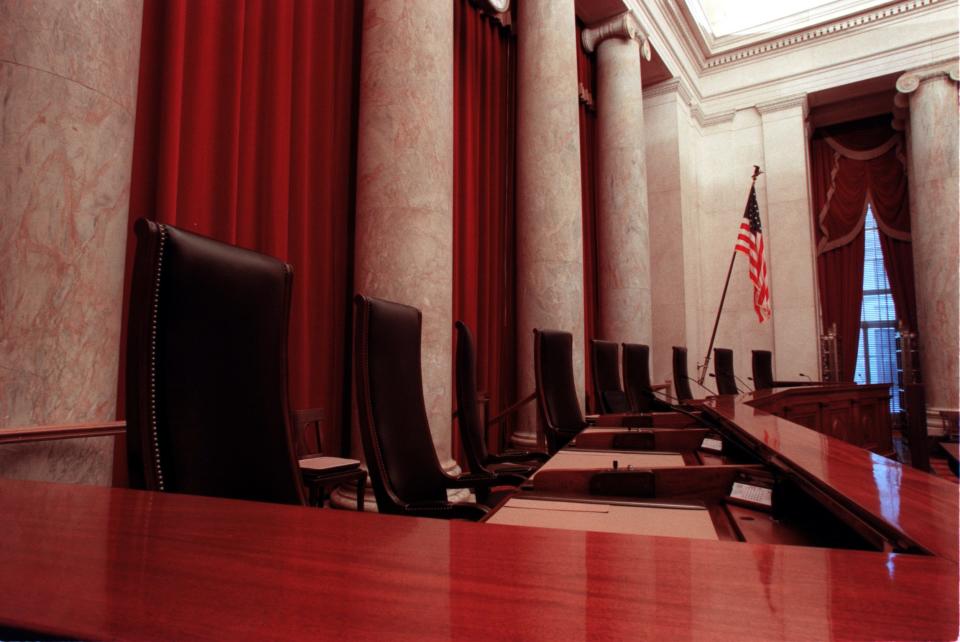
910,81
624,26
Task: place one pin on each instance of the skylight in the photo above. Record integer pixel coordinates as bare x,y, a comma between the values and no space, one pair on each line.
720,18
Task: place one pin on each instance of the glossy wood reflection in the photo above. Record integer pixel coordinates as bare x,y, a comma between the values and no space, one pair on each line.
921,506
112,563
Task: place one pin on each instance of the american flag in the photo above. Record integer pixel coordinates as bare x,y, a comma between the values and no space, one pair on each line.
750,242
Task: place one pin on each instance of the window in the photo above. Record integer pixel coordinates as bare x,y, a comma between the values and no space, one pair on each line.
877,350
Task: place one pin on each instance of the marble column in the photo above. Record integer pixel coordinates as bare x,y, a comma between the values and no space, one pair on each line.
68,81
549,216
404,224
622,226
935,221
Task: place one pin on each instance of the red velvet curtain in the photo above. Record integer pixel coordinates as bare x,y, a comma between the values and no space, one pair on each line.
246,132
586,74
853,165
483,228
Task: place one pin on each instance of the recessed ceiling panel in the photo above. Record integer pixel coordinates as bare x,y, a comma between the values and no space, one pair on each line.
720,18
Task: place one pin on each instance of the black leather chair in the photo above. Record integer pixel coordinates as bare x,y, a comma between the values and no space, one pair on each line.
762,361
207,409
636,380
557,404
511,467
723,371
607,390
681,380
404,469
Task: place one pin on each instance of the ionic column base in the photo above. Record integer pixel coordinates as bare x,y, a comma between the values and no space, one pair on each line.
524,439
345,495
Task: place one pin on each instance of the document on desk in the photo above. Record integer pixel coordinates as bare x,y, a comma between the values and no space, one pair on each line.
692,522
603,460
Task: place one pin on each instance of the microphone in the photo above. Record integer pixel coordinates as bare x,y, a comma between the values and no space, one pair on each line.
738,379
666,395
745,384
800,374
701,385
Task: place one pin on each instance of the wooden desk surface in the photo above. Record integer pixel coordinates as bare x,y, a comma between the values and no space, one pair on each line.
921,506
107,563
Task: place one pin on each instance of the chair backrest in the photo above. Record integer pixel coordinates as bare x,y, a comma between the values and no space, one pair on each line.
762,361
723,371
300,421
636,377
394,428
681,380
560,413
207,409
607,389
469,418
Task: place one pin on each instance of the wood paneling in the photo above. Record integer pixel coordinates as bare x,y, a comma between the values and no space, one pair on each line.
858,414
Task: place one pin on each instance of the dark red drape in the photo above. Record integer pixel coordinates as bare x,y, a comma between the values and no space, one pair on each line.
853,165
246,132
586,73
483,228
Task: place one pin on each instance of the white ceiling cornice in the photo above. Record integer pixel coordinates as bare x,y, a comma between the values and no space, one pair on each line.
731,52
887,39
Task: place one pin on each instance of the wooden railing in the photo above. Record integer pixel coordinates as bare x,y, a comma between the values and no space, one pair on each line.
30,434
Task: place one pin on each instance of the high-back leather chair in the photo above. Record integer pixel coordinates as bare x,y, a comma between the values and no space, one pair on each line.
207,409
509,466
636,380
557,404
723,371
762,361
607,389
681,380
404,469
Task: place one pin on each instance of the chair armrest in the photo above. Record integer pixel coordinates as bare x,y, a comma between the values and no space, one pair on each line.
470,480
518,455
507,478
447,510
615,420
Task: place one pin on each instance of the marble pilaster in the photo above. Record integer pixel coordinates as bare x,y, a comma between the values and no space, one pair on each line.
549,215
622,223
935,224
68,81
790,248
404,220
672,207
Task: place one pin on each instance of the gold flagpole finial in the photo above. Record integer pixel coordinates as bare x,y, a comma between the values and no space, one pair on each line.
756,172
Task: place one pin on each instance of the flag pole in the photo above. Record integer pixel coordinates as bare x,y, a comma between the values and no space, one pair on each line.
716,322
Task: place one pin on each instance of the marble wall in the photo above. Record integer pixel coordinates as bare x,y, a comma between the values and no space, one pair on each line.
68,81
698,182
665,117
789,239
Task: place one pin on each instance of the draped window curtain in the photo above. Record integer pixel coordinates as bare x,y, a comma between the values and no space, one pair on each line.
246,132
483,229
586,75
853,165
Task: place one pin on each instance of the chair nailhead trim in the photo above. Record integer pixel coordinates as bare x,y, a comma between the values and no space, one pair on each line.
153,362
